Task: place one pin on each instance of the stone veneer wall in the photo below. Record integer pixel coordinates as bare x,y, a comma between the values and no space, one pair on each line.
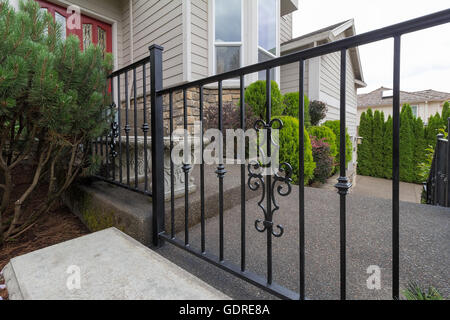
210,100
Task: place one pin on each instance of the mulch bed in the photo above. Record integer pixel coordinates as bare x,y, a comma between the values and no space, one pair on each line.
56,226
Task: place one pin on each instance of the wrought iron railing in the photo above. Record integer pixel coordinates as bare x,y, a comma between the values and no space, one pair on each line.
120,150
437,188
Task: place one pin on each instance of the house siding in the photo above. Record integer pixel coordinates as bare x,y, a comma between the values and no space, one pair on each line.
289,79
286,28
199,38
156,22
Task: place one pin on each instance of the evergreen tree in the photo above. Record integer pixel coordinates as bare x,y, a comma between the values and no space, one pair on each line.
387,150
407,163
419,147
377,145
445,113
435,124
365,148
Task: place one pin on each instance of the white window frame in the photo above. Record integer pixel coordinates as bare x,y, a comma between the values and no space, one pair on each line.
417,110
213,44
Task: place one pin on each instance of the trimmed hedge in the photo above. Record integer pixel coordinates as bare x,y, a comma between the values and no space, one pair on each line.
336,127
375,152
289,149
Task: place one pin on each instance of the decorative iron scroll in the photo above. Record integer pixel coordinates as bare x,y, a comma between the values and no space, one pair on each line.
113,136
281,180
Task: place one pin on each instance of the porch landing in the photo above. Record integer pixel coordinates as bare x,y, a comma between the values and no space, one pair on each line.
112,266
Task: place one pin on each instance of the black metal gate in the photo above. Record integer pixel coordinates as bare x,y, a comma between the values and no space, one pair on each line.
249,174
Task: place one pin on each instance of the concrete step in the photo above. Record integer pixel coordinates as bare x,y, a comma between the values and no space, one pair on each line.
106,265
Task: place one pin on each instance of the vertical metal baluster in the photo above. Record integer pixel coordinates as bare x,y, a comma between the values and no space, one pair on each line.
269,177
136,174
119,116
106,138
343,184
172,173
186,169
127,128
301,117
202,176
396,172
145,127
243,176
221,175
113,137
447,193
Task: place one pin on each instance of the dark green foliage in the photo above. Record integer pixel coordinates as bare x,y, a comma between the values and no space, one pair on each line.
291,105
387,150
255,97
365,163
336,127
407,163
323,159
435,125
377,145
289,149
445,113
419,148
53,102
317,111
415,292
328,135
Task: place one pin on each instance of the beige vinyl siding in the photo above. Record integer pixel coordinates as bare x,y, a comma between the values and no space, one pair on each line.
330,89
286,28
156,22
199,38
289,78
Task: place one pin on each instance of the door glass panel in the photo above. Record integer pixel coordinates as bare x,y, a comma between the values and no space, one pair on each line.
61,20
87,35
102,39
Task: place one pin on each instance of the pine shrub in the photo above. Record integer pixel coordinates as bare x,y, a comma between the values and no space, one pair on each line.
365,163
387,148
377,145
406,145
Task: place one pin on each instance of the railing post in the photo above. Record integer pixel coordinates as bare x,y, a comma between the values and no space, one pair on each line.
157,139
447,203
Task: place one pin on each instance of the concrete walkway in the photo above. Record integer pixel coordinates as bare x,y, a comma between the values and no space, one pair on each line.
379,188
425,247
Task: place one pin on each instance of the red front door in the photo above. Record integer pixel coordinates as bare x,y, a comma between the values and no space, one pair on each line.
90,31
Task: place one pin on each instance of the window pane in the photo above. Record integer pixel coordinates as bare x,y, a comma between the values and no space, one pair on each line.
227,58
267,21
262,56
44,11
228,20
87,35
61,20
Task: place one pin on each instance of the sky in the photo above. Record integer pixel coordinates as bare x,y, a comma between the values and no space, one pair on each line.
425,60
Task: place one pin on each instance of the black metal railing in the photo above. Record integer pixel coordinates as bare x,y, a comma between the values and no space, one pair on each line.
250,176
437,187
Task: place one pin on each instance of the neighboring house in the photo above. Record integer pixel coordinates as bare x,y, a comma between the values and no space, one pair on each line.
322,74
423,103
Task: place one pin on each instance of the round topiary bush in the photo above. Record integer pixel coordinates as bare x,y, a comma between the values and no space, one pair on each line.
328,135
291,105
289,149
255,97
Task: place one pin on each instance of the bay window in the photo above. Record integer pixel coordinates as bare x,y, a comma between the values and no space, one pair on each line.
227,35
267,33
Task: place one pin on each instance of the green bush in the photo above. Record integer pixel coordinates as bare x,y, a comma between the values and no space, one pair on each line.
328,135
365,148
406,145
291,105
420,147
323,159
289,149
255,97
435,125
387,150
336,127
